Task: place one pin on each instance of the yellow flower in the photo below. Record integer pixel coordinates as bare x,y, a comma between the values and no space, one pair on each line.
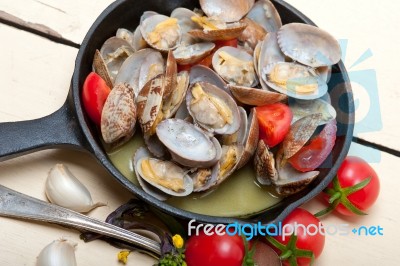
178,241
123,256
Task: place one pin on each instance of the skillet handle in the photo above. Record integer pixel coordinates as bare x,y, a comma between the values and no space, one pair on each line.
59,129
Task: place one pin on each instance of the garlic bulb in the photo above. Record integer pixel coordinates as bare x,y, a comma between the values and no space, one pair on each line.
57,253
64,189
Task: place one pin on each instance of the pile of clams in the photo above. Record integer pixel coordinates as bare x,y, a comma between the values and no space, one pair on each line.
200,125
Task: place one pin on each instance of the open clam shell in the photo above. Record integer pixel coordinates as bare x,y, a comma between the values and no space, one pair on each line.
140,67
235,66
115,51
256,97
292,181
155,146
176,98
231,31
190,54
295,80
138,42
252,34
205,178
250,140
200,73
309,45
265,14
226,10
188,145
161,32
302,108
186,23
140,153
165,174
125,35
212,108
171,71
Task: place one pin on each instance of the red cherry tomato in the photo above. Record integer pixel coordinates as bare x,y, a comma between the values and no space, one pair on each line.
353,173
94,94
274,121
214,250
314,154
305,241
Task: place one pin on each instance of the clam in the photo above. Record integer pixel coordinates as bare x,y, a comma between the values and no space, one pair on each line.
214,29
302,108
149,104
235,66
171,71
309,45
226,10
240,135
292,181
141,67
300,132
126,35
161,32
325,72
264,164
115,51
255,97
138,42
188,145
199,73
118,117
205,178
101,69
186,23
153,191
265,14
175,100
250,139
190,54
212,108
294,80
155,146
165,176
230,158
252,34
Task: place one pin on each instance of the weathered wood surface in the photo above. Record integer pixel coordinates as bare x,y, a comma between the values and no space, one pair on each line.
35,76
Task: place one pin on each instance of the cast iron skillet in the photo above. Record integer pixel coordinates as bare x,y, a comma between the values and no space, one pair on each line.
70,127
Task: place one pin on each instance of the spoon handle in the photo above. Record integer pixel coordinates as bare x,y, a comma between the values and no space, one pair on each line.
18,205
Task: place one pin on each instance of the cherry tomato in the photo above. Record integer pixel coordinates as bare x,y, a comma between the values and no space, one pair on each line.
306,243
274,121
314,154
214,250
94,94
207,61
354,189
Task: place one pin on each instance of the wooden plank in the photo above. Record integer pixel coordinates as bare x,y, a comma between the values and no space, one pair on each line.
70,19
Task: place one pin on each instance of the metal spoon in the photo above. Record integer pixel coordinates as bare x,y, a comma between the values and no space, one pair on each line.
18,205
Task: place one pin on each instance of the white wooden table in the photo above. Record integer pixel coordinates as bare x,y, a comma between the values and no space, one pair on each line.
35,74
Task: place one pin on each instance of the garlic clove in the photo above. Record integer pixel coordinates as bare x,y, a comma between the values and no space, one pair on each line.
64,189
57,253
